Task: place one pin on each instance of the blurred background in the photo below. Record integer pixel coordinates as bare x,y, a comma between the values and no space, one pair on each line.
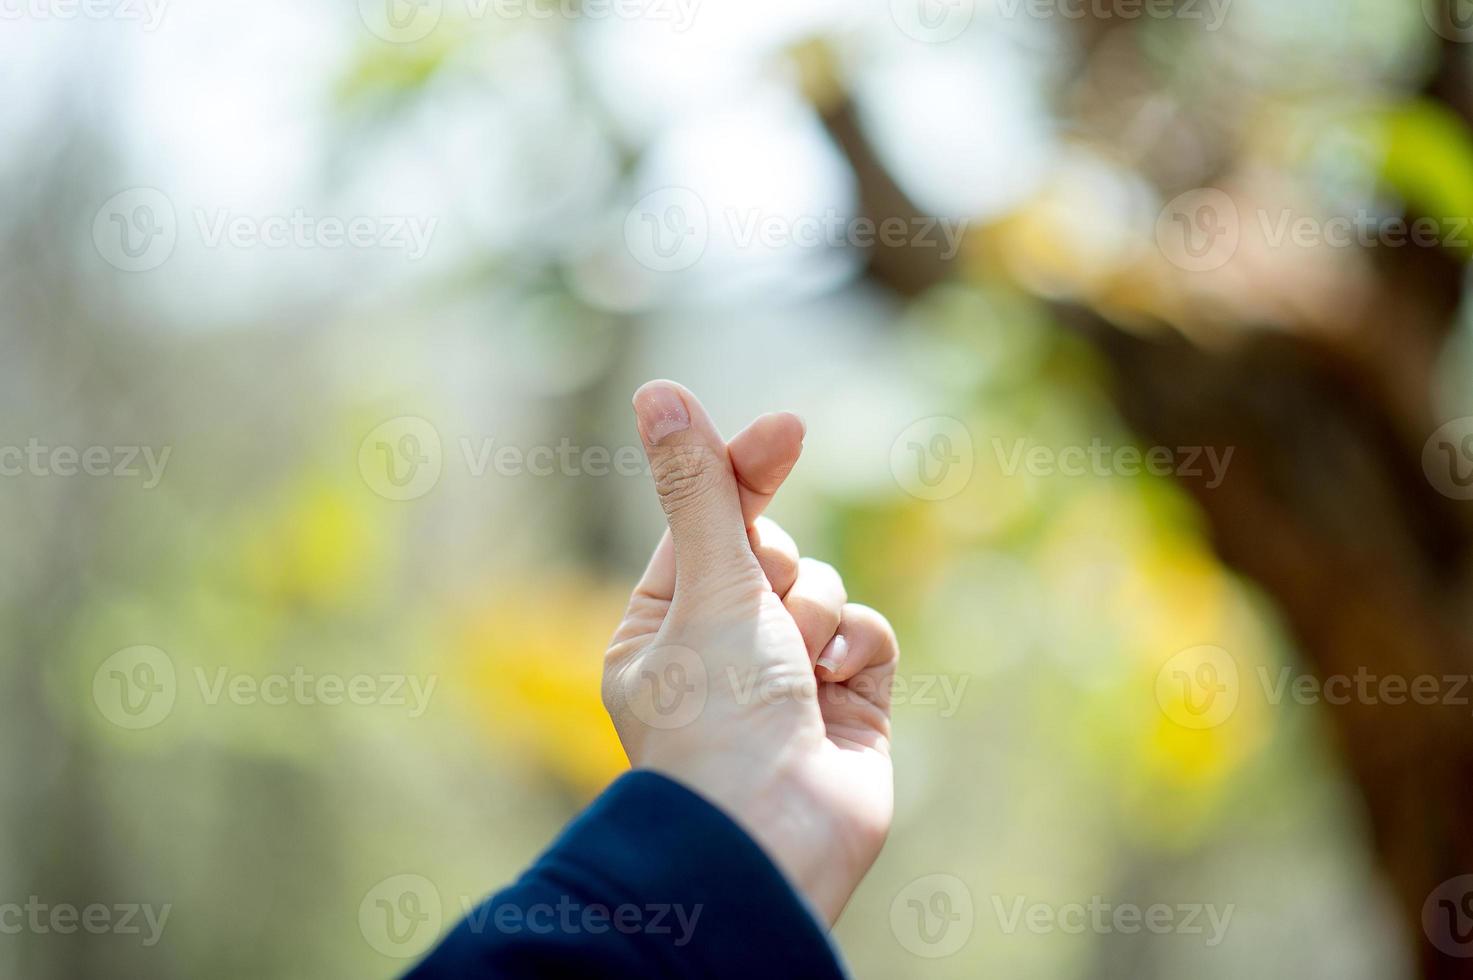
1128,338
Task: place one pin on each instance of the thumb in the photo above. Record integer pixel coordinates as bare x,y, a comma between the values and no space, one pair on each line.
697,487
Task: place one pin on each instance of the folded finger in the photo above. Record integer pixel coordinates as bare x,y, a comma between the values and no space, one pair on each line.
816,602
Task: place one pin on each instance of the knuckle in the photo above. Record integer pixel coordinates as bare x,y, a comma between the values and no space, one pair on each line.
824,579
777,560
816,620
803,607
860,620
771,534
684,473
776,551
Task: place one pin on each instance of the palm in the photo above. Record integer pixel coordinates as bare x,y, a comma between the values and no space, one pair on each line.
845,729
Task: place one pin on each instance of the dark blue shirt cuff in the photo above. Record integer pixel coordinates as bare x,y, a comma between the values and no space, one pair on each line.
650,880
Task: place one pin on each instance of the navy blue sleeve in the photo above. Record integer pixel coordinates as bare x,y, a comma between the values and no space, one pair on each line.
650,881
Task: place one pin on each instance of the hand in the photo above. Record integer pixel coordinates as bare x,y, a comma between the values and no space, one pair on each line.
740,670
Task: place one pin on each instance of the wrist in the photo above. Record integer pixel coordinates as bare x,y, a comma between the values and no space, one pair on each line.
803,838
777,807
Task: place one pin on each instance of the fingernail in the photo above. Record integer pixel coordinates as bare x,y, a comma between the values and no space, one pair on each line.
660,411
833,655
